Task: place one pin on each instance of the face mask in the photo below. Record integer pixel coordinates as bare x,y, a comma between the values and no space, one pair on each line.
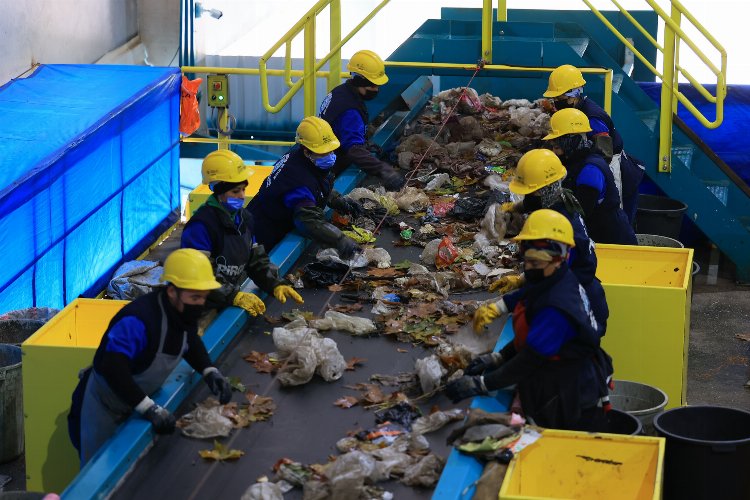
234,204
370,95
191,313
563,104
534,275
325,162
531,203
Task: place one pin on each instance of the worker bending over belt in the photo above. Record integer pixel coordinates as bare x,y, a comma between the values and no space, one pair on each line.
222,229
144,342
298,190
344,109
554,360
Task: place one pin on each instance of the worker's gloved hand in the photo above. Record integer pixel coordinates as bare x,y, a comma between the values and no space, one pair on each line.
283,292
393,181
218,384
509,206
162,420
465,387
483,363
487,313
352,207
347,247
507,283
250,303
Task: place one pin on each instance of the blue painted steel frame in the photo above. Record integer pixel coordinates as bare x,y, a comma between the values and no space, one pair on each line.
458,480
107,467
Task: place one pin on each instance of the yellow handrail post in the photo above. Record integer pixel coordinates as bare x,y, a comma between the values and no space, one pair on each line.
334,63
667,94
309,77
677,18
608,91
502,11
487,31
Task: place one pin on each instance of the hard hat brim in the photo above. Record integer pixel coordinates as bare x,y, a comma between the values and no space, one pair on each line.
518,188
553,93
380,81
325,148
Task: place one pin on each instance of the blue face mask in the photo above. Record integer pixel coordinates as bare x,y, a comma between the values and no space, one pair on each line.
325,162
234,204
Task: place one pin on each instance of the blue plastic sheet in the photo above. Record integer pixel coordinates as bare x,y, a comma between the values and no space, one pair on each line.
729,141
89,174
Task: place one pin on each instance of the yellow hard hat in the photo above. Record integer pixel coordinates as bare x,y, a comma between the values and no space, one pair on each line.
536,169
189,269
317,135
546,224
563,79
368,64
568,121
223,165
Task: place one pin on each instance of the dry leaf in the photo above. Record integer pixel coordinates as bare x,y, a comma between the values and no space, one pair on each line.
742,336
354,362
347,308
346,402
273,320
261,408
221,453
401,350
260,361
335,288
388,272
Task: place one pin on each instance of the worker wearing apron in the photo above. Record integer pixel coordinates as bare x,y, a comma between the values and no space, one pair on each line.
555,360
144,343
590,178
344,109
565,88
299,188
224,230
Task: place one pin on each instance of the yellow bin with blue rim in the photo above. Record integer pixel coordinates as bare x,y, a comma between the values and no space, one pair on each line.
52,358
582,465
648,293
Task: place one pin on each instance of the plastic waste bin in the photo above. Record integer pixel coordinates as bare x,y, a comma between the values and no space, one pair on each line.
622,422
707,452
659,215
17,326
11,403
642,401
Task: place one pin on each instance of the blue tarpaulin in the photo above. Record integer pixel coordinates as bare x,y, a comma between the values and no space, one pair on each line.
729,140
89,174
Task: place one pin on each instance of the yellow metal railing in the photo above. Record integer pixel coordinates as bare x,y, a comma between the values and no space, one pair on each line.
670,93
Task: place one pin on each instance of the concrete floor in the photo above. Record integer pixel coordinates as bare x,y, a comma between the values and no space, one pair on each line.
718,362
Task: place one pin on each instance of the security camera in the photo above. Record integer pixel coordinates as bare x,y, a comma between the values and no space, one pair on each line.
216,13
200,10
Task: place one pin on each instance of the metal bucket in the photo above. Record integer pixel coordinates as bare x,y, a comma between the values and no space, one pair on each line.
655,240
640,400
11,403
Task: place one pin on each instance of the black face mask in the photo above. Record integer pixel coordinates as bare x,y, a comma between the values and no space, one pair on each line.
191,313
534,275
532,203
370,95
563,104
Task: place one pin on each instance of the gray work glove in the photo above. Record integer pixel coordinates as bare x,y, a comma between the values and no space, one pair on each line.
483,363
162,420
465,387
347,247
218,384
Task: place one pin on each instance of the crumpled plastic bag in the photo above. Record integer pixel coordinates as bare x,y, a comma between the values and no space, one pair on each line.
436,421
328,255
299,366
437,181
489,148
323,274
331,364
468,209
425,473
430,371
190,116
402,413
347,474
334,320
378,256
206,422
135,278
446,253
495,222
411,199
385,200
463,149
263,491
309,353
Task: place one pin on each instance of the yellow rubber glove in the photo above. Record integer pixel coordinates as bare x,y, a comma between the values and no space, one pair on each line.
250,303
508,206
487,313
282,292
507,283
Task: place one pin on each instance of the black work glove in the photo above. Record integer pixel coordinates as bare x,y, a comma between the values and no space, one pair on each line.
162,420
465,387
393,181
353,207
218,384
485,362
347,247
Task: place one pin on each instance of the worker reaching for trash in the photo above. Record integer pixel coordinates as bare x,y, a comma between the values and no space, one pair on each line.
298,189
554,360
144,342
590,178
565,88
344,109
538,177
223,230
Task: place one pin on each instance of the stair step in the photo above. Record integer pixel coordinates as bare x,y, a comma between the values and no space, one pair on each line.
649,117
617,79
719,188
578,44
684,153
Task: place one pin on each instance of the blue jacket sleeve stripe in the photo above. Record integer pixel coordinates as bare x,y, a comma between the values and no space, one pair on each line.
350,129
128,337
196,236
548,331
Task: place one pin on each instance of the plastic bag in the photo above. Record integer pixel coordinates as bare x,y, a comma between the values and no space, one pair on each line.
436,421
348,473
424,473
331,364
378,256
384,433
190,117
135,278
437,181
403,413
468,209
446,253
429,253
323,274
411,199
430,371
205,422
334,320
300,366
331,255
263,491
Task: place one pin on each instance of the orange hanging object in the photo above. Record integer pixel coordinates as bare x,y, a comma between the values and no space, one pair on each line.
190,117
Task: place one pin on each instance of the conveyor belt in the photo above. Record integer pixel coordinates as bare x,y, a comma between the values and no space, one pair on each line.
306,424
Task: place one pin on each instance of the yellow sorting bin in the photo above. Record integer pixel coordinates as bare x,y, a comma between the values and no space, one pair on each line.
568,464
52,358
648,293
199,195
